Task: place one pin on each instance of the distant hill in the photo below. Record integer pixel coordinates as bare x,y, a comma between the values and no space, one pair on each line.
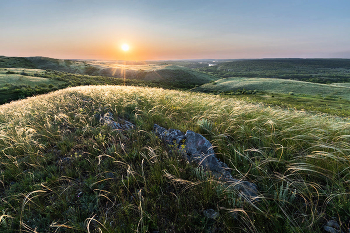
68,66
16,62
168,74
311,70
273,85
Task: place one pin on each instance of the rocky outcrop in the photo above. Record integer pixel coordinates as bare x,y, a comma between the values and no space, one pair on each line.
120,124
197,149
194,148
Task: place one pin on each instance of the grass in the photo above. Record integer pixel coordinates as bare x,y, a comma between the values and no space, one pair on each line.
61,170
18,76
341,84
332,99
14,62
314,104
311,70
273,85
18,83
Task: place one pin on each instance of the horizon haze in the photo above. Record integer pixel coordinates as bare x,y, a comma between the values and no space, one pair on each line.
168,30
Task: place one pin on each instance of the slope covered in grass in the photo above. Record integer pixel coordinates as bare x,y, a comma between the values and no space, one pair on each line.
183,77
18,83
14,62
62,170
273,85
311,70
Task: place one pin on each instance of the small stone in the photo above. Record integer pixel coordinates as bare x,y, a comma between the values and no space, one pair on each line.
210,213
333,223
332,227
110,175
120,125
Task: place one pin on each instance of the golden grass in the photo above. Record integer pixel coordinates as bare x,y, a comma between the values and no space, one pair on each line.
298,160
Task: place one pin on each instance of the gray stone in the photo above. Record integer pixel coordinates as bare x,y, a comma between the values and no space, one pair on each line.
197,149
210,213
172,137
333,223
332,227
121,124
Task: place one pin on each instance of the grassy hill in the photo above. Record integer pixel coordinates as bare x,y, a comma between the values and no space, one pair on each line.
272,85
184,78
333,99
156,73
70,66
311,70
22,77
17,83
15,62
61,170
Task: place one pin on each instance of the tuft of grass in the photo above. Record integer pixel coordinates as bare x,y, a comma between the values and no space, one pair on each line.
61,170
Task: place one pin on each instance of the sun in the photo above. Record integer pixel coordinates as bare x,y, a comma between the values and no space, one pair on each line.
125,47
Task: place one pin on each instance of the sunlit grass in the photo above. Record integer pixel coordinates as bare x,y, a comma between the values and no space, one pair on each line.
17,76
62,170
275,85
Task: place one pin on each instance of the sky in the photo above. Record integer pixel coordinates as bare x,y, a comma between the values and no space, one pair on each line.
175,29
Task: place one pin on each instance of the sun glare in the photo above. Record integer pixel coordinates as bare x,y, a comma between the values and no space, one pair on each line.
125,47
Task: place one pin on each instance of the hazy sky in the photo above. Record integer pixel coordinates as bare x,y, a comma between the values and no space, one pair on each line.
175,29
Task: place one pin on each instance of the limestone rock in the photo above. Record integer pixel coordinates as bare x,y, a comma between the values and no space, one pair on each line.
121,124
210,213
196,148
332,227
172,137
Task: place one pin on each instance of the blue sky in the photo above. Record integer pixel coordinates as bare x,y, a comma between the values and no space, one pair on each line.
154,29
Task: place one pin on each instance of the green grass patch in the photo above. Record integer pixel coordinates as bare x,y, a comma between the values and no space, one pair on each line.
315,104
18,83
310,70
281,86
62,170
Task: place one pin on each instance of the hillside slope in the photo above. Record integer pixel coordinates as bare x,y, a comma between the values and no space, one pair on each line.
16,62
311,70
272,85
61,169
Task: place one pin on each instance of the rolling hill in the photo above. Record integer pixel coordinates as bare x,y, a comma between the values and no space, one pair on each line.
63,170
274,85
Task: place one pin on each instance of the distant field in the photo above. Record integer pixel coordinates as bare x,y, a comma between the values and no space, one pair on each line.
271,85
341,84
146,66
18,83
19,79
310,70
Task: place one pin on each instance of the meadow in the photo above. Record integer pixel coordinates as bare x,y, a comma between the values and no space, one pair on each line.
274,85
18,83
310,70
333,99
64,171
282,124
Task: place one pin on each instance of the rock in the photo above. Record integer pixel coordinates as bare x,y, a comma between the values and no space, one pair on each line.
200,150
110,175
210,213
332,227
120,125
196,148
172,137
